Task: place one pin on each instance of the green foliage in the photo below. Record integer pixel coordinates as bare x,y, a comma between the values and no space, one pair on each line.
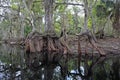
103,9
61,8
72,19
100,13
37,7
27,30
57,28
89,23
5,24
14,7
73,31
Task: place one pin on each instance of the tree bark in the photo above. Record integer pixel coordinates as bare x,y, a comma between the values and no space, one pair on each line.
116,23
86,16
48,16
31,14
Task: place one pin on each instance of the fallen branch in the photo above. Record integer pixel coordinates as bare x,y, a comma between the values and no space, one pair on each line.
70,3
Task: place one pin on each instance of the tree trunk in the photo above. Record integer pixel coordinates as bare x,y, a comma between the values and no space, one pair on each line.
116,23
86,16
47,45
48,16
31,14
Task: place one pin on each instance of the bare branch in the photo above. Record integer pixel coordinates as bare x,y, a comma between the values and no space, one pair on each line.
4,6
70,3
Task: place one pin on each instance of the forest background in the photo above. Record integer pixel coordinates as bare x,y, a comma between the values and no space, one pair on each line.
20,17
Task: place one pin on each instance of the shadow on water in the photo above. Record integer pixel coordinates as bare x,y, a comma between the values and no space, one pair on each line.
16,65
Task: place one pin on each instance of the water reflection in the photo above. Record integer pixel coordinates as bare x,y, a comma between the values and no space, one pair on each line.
16,65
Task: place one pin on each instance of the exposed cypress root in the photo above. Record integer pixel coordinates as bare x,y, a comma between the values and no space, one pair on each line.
92,41
48,46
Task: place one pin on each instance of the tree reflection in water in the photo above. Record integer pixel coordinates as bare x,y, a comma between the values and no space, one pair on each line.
16,65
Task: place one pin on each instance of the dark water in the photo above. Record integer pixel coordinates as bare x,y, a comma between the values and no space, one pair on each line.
16,65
